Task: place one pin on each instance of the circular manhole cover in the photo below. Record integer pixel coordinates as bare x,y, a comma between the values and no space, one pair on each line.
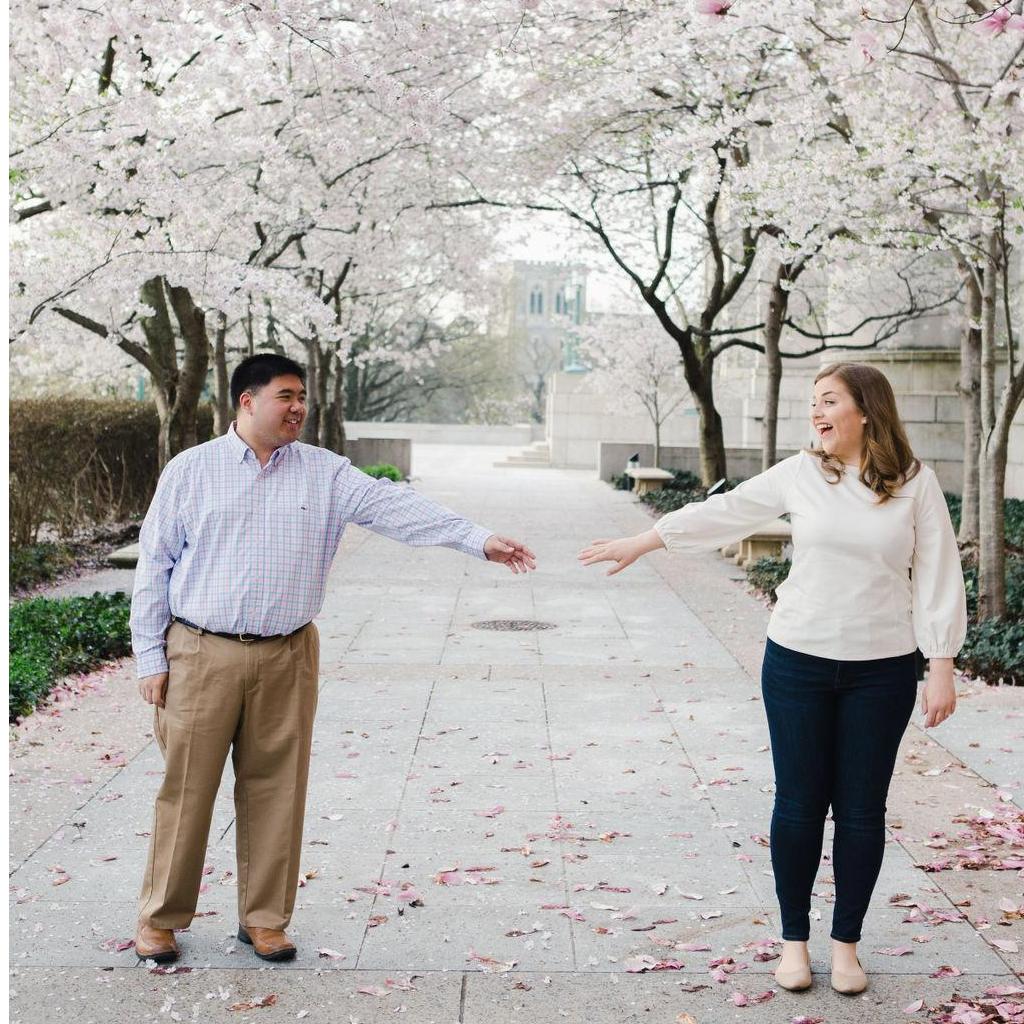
513,625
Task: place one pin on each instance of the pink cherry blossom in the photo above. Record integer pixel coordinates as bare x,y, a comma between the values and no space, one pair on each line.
996,22
866,47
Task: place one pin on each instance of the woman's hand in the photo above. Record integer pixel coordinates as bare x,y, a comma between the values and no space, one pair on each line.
624,551
938,696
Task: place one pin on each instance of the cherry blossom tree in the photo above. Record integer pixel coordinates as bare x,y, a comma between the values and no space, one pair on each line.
628,355
658,150
177,170
939,111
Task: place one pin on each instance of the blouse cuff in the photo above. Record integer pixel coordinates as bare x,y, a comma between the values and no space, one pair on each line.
940,652
673,539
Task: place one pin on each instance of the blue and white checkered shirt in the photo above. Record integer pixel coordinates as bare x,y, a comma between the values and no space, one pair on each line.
239,548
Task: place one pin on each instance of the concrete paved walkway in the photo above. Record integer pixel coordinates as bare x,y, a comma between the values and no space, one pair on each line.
513,826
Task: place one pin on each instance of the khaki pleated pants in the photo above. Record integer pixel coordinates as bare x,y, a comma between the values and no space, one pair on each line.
256,700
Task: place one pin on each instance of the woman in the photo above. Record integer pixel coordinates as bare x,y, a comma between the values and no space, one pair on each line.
876,574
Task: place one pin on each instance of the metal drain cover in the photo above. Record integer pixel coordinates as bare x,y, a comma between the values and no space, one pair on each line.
513,625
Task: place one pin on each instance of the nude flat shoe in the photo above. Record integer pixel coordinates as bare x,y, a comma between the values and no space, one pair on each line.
794,979
849,983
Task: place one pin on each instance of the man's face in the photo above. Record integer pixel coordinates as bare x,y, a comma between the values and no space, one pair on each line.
276,411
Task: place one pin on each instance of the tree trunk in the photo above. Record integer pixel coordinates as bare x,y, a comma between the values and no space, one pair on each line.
311,428
992,546
323,373
992,469
336,419
222,411
176,389
194,366
712,440
698,368
250,330
778,302
969,389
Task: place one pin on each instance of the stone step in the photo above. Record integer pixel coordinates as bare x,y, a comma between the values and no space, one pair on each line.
126,557
537,456
522,465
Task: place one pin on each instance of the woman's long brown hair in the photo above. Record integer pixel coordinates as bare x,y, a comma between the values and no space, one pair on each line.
888,461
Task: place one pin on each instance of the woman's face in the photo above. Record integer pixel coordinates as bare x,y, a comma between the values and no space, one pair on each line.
837,421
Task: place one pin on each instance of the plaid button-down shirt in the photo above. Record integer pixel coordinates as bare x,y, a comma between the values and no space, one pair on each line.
239,548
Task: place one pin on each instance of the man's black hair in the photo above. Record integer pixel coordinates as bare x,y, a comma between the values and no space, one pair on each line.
254,372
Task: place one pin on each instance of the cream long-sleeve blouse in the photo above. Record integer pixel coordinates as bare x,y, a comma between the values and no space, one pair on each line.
868,580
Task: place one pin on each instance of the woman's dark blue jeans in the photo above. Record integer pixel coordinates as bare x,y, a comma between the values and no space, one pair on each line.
835,728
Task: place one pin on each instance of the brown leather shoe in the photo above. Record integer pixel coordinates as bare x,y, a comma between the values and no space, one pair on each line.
155,944
268,943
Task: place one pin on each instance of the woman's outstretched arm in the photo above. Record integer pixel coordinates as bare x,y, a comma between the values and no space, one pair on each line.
624,551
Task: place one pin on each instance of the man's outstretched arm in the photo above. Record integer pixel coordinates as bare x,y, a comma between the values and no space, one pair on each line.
405,515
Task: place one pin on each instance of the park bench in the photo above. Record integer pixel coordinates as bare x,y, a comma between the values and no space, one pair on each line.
648,478
766,542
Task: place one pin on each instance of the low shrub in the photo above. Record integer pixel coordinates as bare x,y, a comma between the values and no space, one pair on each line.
55,637
384,470
76,462
766,574
38,563
994,651
1014,514
682,490
954,503
1014,587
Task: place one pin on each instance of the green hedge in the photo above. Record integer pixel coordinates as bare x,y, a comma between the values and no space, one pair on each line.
766,574
684,488
38,563
51,638
383,470
76,462
994,651
1013,513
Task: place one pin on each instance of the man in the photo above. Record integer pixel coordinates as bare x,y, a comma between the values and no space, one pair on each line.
233,562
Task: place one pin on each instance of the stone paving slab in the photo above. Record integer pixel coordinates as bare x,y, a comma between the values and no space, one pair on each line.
624,749
327,996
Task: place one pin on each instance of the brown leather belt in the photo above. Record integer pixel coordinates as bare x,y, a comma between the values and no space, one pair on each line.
245,638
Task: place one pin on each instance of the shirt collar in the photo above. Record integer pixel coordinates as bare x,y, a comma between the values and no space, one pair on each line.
240,450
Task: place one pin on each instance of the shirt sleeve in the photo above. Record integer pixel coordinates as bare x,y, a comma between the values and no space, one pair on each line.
161,541
726,518
937,578
403,514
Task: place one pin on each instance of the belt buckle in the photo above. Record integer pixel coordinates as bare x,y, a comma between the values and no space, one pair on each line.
246,639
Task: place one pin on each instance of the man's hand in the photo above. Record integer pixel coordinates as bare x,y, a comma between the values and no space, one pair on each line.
938,696
623,552
513,553
154,689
